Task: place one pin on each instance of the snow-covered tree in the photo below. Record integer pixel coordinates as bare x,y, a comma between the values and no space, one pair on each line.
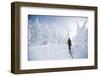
34,29
81,41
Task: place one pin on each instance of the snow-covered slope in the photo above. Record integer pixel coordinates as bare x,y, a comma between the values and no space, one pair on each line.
48,42
49,52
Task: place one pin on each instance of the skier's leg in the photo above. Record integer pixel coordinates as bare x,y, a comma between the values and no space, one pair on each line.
69,49
70,52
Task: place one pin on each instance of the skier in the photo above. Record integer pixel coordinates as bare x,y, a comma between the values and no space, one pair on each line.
69,46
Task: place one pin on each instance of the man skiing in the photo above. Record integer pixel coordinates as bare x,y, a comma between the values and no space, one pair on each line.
69,46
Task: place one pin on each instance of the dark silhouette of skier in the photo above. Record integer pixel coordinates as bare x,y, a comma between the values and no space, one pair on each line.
69,46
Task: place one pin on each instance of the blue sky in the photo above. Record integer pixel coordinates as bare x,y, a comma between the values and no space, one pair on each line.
52,19
45,19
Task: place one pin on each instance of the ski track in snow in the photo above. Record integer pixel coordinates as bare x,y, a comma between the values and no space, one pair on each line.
55,52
